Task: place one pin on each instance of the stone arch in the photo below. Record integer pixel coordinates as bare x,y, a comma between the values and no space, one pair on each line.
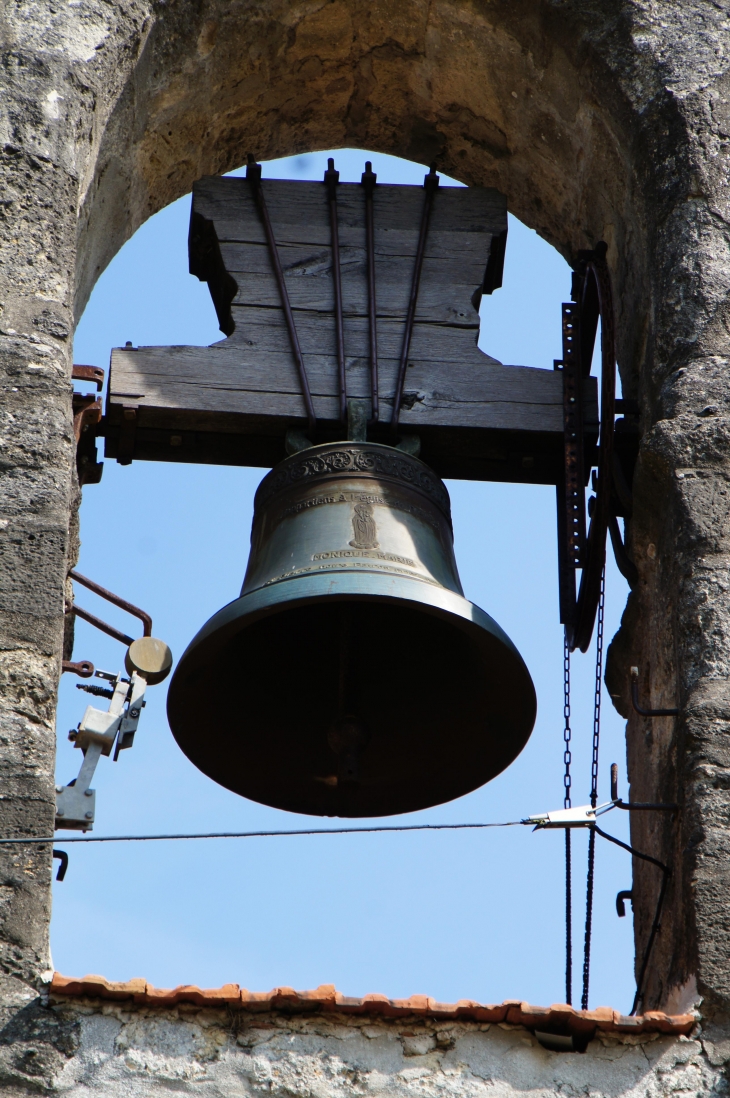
509,95
598,120
540,100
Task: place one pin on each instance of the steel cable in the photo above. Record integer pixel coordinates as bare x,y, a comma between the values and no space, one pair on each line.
256,834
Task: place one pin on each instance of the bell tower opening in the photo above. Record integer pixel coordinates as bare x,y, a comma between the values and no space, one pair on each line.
182,550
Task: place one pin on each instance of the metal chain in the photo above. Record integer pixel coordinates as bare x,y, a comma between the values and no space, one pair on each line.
567,733
594,789
567,758
598,690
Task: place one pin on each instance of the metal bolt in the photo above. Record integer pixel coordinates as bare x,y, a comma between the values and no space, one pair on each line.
89,815
60,812
59,789
134,713
88,792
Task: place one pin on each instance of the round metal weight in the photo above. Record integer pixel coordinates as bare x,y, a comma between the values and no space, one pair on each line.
150,658
351,678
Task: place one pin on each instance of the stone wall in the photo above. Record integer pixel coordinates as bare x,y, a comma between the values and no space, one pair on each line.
118,1050
599,119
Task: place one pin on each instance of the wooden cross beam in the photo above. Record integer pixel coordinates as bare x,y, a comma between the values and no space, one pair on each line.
233,403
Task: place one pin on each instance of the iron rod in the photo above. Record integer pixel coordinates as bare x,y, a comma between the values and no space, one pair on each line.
430,184
369,181
332,178
117,600
640,708
102,626
253,177
657,915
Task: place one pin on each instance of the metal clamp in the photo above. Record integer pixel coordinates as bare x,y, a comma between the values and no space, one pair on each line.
586,815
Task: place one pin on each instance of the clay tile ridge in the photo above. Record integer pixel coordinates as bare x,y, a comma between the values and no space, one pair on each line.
558,1017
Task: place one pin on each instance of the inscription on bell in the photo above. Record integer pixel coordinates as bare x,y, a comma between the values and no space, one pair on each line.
349,497
365,554
363,525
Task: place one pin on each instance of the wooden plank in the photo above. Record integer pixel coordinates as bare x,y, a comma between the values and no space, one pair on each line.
236,263
232,403
298,209
505,409
444,294
216,378
199,404
263,331
467,455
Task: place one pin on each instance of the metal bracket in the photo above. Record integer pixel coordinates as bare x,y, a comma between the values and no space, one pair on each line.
127,435
83,668
96,734
94,374
87,413
639,708
103,626
627,894
62,856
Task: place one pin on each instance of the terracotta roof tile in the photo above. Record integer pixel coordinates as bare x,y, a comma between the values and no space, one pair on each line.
558,1017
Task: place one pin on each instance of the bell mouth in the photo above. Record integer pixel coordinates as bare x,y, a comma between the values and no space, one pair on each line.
444,696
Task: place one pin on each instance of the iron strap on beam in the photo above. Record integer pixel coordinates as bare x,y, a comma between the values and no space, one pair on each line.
369,182
430,186
253,177
331,179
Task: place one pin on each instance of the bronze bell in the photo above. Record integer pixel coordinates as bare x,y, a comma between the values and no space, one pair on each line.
351,677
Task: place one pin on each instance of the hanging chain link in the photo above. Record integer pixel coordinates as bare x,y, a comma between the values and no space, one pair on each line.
594,789
598,691
567,759
567,733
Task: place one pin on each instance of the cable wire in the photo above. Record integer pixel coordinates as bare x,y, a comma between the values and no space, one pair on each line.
254,834
594,789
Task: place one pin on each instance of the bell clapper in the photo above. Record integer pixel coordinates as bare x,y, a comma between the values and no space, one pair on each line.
148,661
349,735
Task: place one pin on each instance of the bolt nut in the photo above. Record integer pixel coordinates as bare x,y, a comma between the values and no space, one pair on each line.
60,812
134,713
89,815
88,792
59,789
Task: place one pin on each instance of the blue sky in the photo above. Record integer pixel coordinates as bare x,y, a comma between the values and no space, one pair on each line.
475,914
